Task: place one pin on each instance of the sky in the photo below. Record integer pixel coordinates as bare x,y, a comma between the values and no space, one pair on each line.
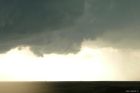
69,40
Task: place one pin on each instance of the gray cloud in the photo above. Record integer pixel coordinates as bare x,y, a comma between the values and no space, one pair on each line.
60,26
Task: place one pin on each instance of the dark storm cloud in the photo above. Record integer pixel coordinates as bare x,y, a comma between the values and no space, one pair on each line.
61,25
22,22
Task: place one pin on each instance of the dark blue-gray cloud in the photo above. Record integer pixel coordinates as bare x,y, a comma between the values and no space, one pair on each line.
61,25
21,20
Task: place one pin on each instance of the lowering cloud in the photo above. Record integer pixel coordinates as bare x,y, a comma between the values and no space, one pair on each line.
52,26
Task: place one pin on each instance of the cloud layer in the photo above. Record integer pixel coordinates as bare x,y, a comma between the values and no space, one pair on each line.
51,26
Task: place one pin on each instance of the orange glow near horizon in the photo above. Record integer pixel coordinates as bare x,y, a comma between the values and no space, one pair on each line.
89,64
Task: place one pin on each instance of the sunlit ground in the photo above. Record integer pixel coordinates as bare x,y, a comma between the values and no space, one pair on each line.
89,64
